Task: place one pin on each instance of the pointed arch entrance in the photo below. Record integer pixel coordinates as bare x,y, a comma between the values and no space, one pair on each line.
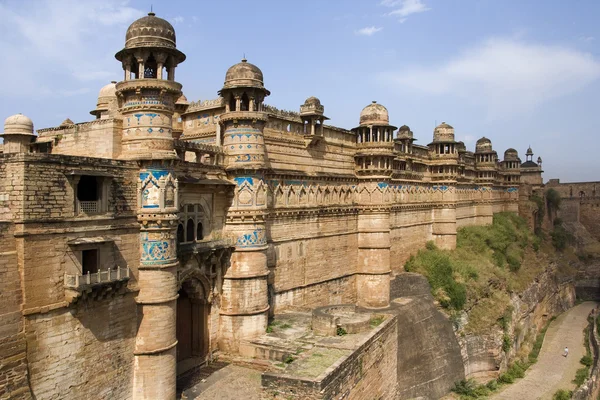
193,310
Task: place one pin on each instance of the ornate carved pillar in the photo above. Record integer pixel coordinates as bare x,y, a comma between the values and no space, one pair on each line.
156,340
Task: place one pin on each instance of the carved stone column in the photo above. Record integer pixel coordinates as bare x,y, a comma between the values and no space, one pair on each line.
156,340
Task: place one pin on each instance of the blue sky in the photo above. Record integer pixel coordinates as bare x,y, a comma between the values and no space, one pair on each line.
519,72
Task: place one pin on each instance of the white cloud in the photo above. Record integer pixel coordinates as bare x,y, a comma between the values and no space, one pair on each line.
53,47
587,39
177,20
368,31
405,8
504,76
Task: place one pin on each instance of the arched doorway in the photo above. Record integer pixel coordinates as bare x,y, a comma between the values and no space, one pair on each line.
192,325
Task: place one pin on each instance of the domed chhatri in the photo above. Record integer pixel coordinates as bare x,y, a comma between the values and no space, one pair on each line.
483,145
374,114
312,100
18,124
443,133
511,154
18,134
246,75
312,106
151,32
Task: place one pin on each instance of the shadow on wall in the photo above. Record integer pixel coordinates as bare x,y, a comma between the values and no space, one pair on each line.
429,356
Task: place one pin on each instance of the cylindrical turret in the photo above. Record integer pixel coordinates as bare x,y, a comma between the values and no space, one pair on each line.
147,98
245,305
148,92
18,134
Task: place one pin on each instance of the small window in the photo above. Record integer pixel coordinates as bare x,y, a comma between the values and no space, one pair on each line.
89,261
189,230
180,233
199,234
87,189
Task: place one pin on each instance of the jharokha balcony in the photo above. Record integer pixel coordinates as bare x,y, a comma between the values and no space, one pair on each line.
96,285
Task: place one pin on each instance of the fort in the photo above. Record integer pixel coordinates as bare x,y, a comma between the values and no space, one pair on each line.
140,244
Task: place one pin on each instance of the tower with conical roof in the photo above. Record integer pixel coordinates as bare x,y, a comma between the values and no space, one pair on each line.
147,97
244,310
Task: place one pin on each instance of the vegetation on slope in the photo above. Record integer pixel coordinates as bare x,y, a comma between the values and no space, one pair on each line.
488,263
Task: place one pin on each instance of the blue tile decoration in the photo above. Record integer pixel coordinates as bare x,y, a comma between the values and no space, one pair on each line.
256,238
156,250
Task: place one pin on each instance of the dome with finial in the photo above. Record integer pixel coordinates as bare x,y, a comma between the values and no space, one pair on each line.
18,124
529,151
151,32
511,155
483,145
244,74
374,114
443,133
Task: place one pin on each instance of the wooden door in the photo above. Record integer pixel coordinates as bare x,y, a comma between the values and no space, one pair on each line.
184,327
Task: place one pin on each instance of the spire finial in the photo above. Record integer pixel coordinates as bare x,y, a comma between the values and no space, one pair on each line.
151,13
244,59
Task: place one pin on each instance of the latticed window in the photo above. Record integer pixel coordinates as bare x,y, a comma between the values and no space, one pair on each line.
192,222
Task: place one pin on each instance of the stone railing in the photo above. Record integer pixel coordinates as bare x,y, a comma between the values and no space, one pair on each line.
195,146
281,113
203,105
79,282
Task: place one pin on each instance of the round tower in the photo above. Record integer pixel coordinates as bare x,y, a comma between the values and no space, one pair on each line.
18,134
147,98
375,142
374,159
245,305
148,91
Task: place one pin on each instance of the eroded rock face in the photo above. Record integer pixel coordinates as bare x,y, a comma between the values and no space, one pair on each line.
549,295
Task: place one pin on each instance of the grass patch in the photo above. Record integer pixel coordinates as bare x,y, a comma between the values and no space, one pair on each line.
314,364
377,320
488,263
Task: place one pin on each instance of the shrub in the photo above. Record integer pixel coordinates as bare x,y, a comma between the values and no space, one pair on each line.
492,385
506,343
581,375
430,245
341,331
587,360
560,237
553,199
470,389
562,394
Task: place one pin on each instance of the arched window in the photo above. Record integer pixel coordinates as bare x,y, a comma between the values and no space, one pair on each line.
150,67
199,233
245,103
189,230
232,103
180,233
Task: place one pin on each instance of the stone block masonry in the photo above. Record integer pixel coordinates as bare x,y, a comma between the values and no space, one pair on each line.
368,371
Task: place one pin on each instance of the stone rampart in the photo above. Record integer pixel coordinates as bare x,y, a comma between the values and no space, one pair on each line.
367,373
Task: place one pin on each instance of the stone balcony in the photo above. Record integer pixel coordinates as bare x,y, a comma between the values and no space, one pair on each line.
97,285
204,246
